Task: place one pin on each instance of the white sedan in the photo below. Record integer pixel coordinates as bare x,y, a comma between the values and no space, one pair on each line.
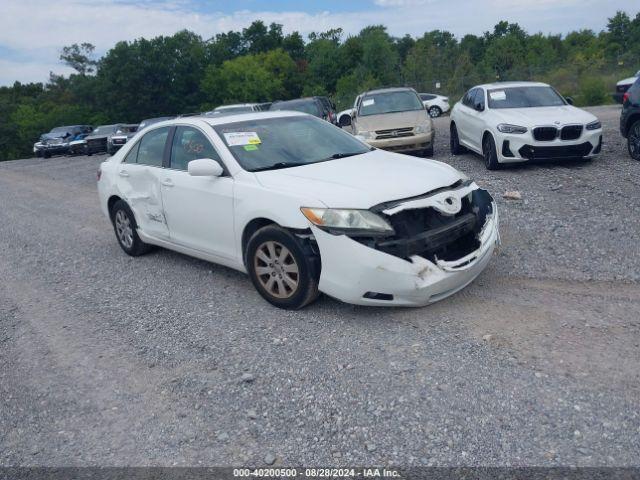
510,122
436,105
302,207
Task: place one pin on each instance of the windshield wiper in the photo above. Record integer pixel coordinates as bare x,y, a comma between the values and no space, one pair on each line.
278,165
342,155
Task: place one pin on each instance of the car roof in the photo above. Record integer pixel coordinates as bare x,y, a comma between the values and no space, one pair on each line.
302,99
235,105
511,85
235,117
387,90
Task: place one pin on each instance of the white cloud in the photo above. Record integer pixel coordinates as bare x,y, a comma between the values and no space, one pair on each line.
36,30
29,71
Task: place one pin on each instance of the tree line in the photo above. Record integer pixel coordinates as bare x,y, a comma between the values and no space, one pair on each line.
186,73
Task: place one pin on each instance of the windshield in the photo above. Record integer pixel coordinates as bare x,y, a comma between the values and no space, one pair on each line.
524,97
304,106
271,143
390,102
60,130
103,130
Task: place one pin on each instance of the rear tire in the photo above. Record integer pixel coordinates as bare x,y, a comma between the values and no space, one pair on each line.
454,141
280,270
126,230
489,153
633,140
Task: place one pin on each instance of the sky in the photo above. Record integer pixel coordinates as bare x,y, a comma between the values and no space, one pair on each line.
33,32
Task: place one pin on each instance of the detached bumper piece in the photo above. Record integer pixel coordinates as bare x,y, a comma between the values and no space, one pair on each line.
433,235
547,153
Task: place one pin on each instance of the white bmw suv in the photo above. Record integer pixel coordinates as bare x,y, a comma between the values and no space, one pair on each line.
301,206
509,122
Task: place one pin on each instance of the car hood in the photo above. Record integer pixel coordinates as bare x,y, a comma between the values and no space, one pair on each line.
535,116
53,136
362,181
627,81
387,121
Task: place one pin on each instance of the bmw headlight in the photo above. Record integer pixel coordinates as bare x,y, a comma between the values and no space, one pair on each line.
508,128
347,220
595,125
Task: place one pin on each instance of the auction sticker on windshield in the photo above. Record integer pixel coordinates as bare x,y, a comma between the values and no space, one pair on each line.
498,95
366,103
235,139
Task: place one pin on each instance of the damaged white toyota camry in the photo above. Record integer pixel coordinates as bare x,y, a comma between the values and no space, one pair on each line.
302,207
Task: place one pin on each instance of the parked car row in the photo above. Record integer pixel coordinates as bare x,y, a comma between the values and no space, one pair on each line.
59,140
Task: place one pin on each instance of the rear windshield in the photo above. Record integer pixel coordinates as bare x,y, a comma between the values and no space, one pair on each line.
390,102
305,106
524,97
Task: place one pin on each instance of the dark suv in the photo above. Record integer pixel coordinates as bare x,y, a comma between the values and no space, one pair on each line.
630,119
320,107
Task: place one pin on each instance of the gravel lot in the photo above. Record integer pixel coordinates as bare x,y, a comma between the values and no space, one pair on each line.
168,360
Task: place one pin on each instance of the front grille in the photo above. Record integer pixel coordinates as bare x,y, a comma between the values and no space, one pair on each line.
547,153
545,134
394,133
571,132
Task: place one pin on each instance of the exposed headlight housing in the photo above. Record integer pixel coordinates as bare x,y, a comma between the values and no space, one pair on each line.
595,125
350,221
508,128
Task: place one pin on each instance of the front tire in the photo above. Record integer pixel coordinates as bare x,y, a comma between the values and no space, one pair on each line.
126,229
454,141
489,153
633,140
435,111
280,270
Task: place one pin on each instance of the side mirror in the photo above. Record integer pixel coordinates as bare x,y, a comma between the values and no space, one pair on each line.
204,167
479,107
344,120
569,100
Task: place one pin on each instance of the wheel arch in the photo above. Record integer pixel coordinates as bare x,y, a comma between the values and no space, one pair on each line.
249,229
633,118
111,202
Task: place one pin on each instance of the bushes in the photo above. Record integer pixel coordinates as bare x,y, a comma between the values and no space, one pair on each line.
592,91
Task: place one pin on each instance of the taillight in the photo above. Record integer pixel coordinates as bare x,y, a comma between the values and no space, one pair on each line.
99,174
625,97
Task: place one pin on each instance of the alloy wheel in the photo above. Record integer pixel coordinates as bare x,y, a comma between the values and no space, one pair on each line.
123,229
276,269
434,112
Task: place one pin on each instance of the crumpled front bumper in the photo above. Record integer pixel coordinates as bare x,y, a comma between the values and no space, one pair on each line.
351,270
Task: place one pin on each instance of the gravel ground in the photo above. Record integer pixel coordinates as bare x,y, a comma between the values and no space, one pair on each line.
168,360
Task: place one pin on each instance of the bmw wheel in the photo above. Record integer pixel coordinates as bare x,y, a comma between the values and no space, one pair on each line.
435,111
126,229
279,268
489,153
633,141
454,141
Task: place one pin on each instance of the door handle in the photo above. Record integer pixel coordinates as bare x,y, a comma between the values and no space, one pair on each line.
123,173
167,183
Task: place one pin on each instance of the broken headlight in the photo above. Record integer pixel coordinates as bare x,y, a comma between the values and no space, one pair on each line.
347,220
